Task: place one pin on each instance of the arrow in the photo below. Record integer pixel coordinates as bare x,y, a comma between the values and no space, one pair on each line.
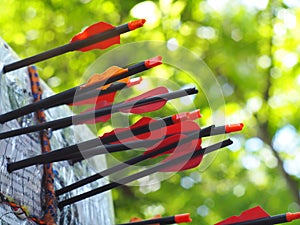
178,143
110,75
145,105
164,166
180,218
258,216
97,36
141,127
74,152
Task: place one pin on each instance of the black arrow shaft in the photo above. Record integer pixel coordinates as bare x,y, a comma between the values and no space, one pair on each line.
67,48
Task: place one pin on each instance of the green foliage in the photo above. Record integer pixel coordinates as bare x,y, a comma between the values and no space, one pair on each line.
252,49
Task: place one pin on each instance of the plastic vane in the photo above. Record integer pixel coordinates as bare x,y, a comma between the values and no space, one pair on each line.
179,127
135,110
110,72
147,129
104,96
258,216
84,90
97,36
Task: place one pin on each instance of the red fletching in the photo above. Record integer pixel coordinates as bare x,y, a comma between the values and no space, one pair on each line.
148,107
250,214
179,151
136,110
183,218
182,127
98,119
117,132
176,132
156,91
170,140
109,98
93,30
141,109
177,128
190,164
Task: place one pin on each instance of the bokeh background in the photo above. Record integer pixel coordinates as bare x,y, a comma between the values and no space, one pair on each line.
251,47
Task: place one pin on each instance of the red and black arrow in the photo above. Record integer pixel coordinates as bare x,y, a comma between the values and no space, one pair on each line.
258,216
100,35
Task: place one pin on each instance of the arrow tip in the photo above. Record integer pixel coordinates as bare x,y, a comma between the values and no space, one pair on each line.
136,24
234,127
187,116
292,216
155,61
183,218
